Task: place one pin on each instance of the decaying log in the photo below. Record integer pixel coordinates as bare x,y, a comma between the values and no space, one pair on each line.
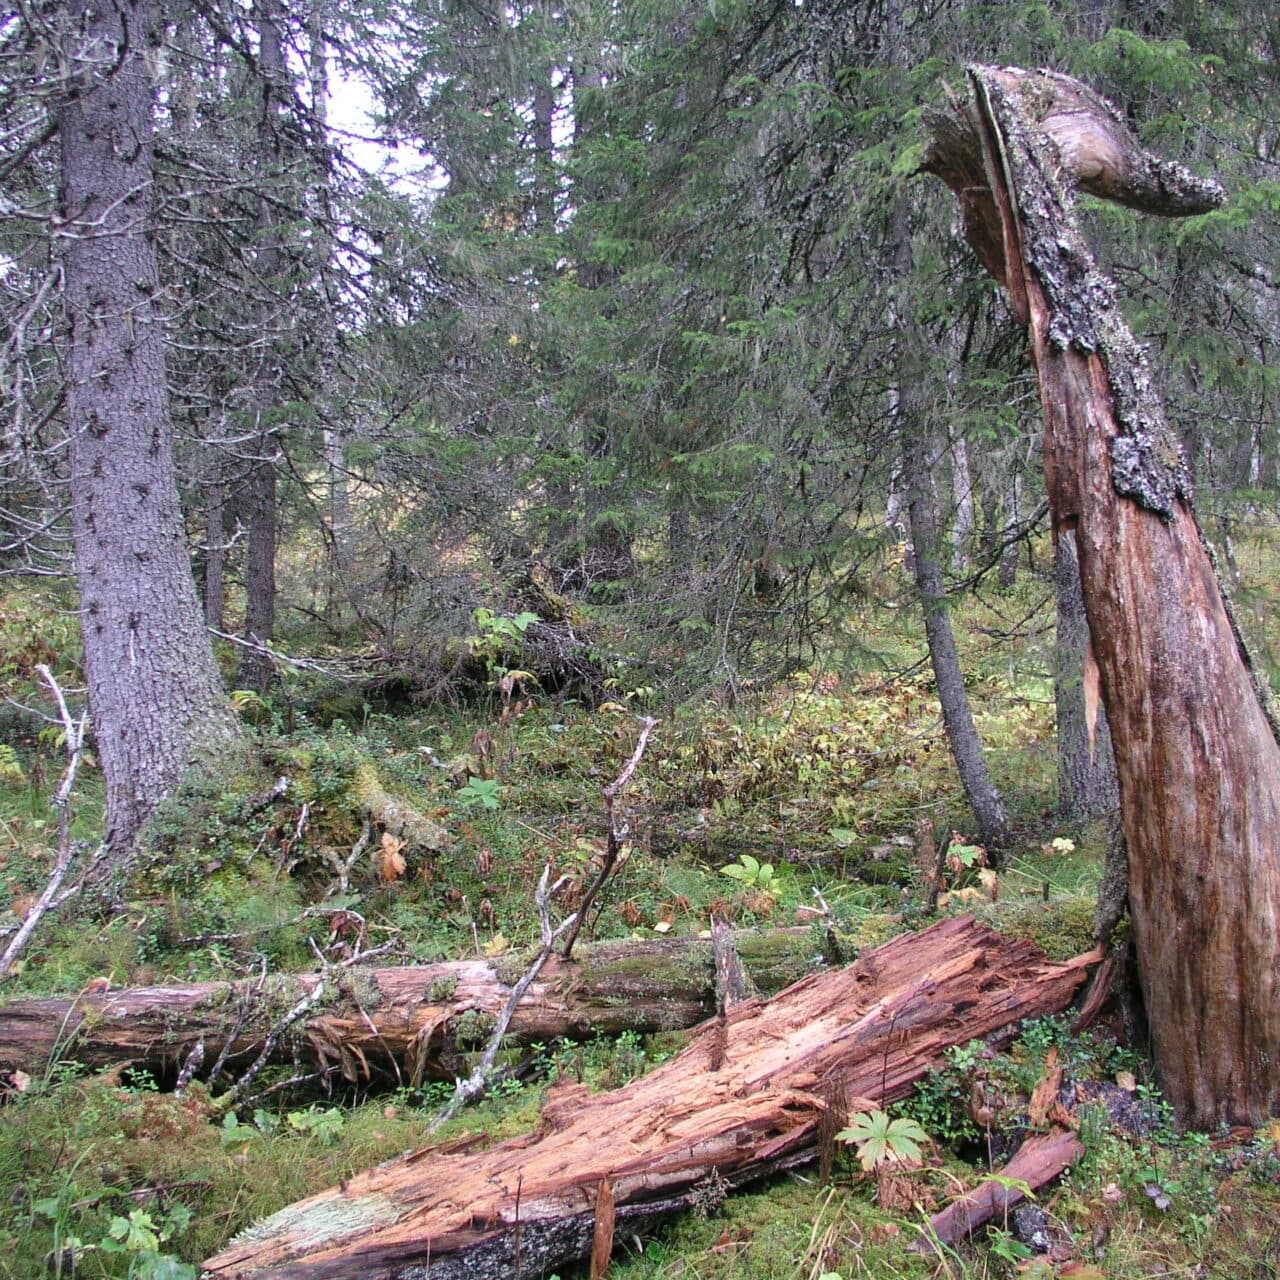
413,1020
680,1136
1191,716
1038,1161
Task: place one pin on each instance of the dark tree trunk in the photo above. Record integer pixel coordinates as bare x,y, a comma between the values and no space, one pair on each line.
926,546
154,691
1086,770
984,799
215,555
1192,722
256,669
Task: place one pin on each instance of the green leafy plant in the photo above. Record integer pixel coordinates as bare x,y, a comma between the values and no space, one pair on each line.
878,1138
482,791
753,874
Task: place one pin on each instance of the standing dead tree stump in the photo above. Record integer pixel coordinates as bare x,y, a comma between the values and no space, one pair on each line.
1195,741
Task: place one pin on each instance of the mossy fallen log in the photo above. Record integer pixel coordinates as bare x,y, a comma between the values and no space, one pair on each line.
408,1023
744,1099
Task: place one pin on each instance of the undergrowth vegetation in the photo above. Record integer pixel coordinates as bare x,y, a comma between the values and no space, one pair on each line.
419,833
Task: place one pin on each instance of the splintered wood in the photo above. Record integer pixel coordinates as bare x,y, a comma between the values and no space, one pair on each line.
684,1134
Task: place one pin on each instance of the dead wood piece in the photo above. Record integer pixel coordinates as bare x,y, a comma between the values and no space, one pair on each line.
681,1135
1038,1161
380,1021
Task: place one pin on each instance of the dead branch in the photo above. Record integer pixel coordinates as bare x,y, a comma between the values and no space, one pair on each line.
614,837
52,895
468,1090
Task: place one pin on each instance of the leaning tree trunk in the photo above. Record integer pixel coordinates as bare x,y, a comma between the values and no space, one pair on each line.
154,691
1196,748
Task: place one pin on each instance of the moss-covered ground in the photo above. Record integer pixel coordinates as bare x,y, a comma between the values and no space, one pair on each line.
423,830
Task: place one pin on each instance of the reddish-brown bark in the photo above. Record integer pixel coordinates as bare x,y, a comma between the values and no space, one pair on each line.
1196,752
685,1133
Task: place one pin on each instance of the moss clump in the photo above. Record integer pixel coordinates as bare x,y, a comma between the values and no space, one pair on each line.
442,989
473,1027
1061,928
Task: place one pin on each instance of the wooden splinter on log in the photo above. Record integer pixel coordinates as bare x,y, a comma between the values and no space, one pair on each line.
682,1135
1195,742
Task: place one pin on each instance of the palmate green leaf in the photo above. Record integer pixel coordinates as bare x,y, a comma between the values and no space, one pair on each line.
877,1138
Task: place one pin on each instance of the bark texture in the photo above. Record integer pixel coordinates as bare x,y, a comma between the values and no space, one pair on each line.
417,1019
743,1100
1196,750
154,691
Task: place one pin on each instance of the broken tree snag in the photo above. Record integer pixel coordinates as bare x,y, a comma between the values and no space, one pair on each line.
681,1136
1196,751
1038,1161
375,1023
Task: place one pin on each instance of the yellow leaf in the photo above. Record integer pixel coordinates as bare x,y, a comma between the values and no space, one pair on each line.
496,945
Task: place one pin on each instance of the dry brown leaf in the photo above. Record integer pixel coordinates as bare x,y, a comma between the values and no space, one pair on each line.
391,862
1127,1081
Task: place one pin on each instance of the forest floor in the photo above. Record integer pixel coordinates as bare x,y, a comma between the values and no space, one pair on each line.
827,792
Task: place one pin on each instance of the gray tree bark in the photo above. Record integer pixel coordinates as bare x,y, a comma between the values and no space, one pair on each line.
154,694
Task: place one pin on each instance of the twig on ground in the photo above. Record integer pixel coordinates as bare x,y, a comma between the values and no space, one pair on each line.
615,836
51,896
473,1086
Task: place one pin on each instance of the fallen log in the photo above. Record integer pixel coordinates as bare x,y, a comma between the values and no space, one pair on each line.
743,1100
409,1023
1038,1161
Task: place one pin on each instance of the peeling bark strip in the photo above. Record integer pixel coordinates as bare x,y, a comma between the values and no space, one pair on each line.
680,1136
1196,751
1038,1161
416,1017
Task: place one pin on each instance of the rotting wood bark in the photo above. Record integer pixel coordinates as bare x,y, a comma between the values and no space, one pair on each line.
1191,718
415,1020
680,1136
1038,1161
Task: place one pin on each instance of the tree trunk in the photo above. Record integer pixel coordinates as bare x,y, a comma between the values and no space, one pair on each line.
215,552
962,500
747,1098
256,669
917,475
154,693
1086,764
1196,748
386,1024
966,747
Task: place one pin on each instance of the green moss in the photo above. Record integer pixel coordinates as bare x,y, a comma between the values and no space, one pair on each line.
1061,928
442,989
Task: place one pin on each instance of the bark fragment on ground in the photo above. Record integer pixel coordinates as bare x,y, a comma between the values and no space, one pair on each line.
415,1019
1037,1162
685,1134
